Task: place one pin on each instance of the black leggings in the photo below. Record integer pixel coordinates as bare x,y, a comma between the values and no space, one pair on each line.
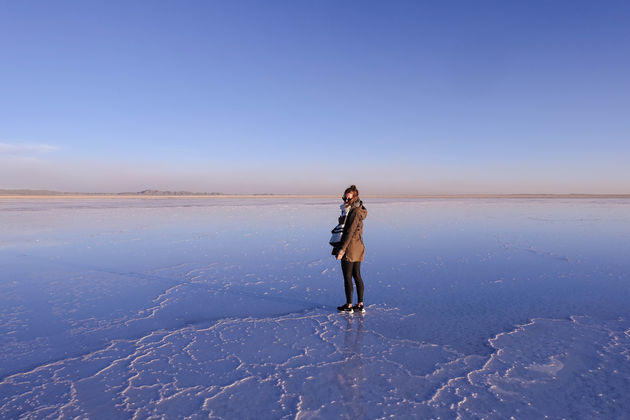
352,269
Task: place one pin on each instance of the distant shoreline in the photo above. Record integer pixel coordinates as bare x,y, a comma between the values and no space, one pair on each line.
295,196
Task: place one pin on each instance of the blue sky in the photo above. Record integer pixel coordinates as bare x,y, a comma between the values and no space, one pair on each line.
309,96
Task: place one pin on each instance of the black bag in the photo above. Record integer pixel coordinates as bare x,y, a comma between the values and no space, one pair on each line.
337,232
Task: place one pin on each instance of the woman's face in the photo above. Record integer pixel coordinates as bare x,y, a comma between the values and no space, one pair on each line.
348,197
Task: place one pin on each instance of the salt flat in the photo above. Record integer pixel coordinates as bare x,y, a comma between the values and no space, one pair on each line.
225,308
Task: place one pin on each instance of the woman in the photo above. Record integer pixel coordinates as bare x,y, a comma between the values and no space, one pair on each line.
352,251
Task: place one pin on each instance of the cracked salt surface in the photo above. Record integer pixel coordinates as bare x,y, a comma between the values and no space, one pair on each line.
316,364
225,309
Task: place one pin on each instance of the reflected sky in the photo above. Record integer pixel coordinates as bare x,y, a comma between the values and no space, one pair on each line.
96,270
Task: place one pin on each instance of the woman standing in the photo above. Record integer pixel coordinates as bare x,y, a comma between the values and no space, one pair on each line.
352,251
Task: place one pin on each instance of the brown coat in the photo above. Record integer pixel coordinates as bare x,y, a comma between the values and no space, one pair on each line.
352,238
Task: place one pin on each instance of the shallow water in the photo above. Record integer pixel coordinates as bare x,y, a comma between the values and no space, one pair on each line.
226,308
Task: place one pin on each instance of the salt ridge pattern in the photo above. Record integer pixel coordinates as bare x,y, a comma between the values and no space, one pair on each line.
320,365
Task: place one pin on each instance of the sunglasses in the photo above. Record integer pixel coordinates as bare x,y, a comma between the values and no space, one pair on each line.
346,199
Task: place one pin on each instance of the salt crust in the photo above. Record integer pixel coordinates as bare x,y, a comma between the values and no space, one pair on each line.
317,364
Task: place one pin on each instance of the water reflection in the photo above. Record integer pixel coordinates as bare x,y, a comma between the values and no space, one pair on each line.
351,374
466,269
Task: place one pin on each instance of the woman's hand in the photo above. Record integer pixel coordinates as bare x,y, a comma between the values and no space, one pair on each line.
340,255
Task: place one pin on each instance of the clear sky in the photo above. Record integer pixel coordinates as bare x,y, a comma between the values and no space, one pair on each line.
310,96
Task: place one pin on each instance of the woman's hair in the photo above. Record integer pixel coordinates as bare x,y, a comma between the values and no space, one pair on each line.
353,190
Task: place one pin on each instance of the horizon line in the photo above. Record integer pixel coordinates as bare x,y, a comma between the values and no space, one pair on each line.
27,193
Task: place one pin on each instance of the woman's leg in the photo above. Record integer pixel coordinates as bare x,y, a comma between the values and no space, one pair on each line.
346,269
356,273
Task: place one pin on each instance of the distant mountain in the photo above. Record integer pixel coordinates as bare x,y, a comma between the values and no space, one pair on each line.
158,192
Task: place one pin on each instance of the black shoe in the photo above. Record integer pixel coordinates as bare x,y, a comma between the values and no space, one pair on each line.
359,308
345,308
